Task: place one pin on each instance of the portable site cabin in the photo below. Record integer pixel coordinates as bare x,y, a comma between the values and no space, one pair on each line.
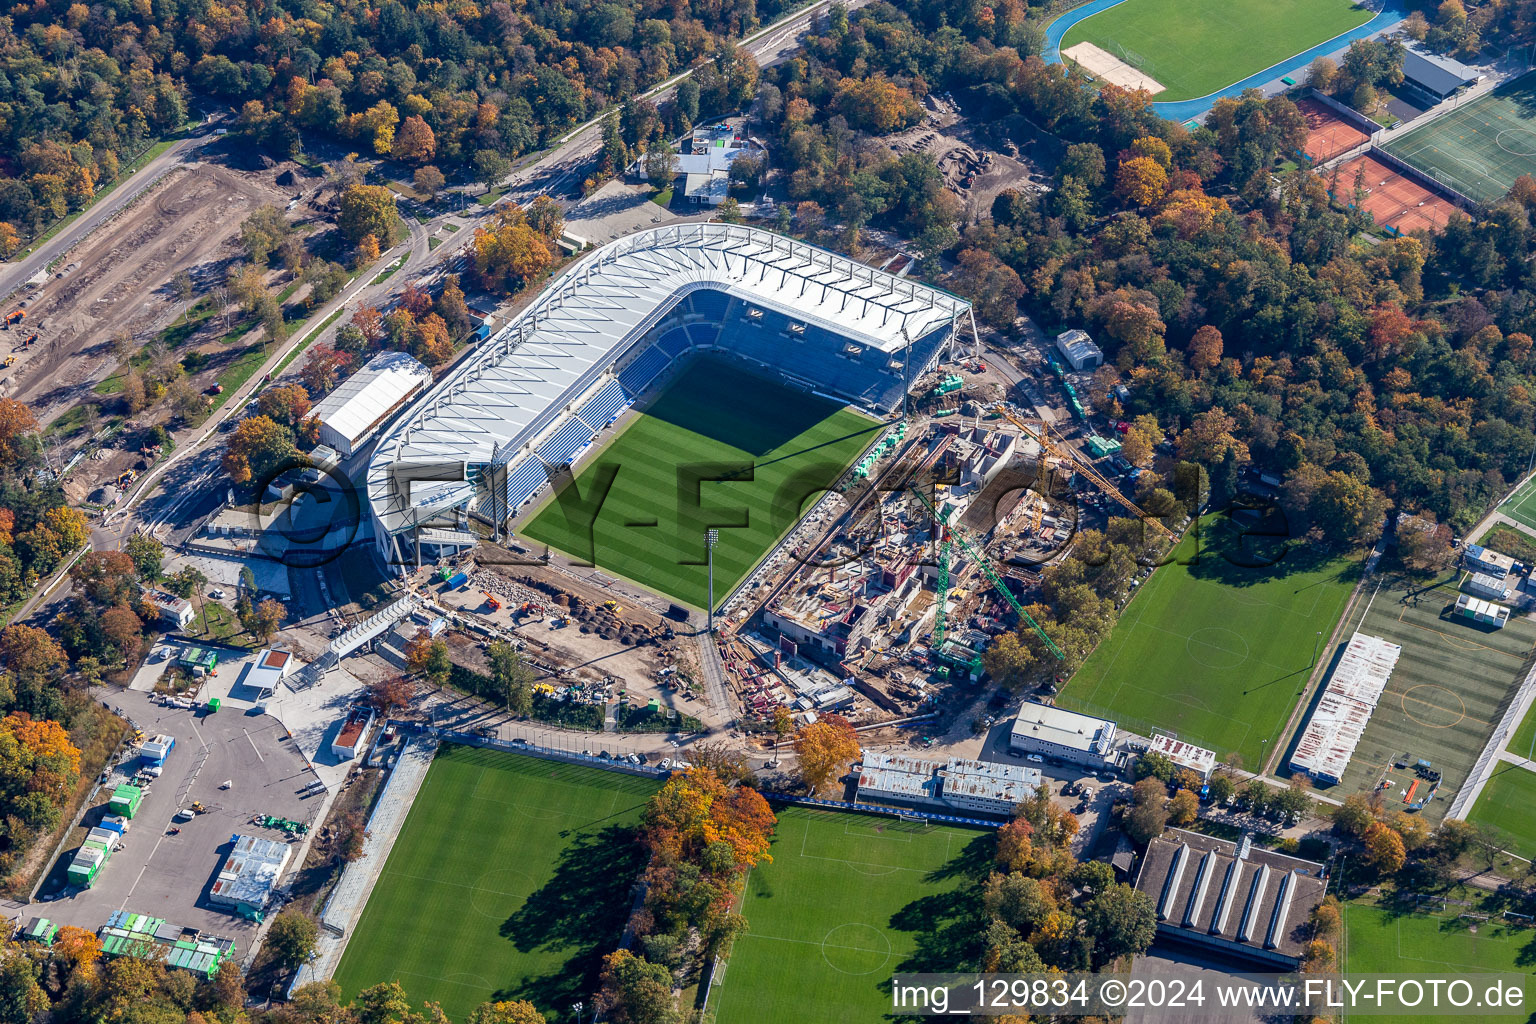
40,930
1485,612
125,801
87,864
130,934
157,748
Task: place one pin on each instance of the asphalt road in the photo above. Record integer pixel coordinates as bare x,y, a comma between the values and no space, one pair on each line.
14,275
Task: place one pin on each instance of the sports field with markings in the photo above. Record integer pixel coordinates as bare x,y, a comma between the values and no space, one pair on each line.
1218,645
849,900
511,879
1482,146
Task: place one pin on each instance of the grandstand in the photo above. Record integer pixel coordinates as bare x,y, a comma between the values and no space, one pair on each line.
611,327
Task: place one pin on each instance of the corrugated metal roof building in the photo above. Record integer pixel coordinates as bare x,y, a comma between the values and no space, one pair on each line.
1338,722
361,403
250,873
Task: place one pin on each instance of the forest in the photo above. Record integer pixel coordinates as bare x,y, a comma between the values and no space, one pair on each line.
467,86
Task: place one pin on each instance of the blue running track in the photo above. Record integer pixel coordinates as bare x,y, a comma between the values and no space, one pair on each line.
1184,110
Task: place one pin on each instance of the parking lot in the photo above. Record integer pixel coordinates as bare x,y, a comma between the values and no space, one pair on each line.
167,875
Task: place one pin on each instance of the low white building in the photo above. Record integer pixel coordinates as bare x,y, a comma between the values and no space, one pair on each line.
1064,735
353,737
1480,584
1487,561
269,669
249,874
1078,349
961,784
1185,755
365,401
1488,613
175,612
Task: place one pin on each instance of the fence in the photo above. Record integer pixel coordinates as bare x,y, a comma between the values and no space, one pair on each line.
1429,181
1462,802
876,809
1348,115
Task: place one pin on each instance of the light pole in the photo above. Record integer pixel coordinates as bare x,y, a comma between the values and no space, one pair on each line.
711,538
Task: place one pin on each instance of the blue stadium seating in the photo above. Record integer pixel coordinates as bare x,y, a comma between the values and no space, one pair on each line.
523,480
637,376
704,334
709,303
603,406
566,441
674,342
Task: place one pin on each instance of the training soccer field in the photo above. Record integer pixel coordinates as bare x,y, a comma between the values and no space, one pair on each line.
1195,47
848,901
1505,804
1521,505
1480,147
1434,941
1217,646
511,879
718,447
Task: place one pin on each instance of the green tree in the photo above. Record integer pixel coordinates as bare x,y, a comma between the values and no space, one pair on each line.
148,556
1122,921
291,939
368,210
511,676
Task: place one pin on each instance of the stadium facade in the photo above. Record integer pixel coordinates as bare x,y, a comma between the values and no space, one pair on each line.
524,407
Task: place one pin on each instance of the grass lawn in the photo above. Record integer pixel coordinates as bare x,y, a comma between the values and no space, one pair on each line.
1435,941
1195,47
758,453
1505,804
511,879
390,270
1523,742
849,900
1510,541
663,197
1217,646
215,622
1521,505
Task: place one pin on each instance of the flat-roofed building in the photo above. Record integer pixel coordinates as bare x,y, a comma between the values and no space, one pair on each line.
1185,755
1486,613
353,735
983,787
1065,735
1490,588
1487,561
1239,901
249,874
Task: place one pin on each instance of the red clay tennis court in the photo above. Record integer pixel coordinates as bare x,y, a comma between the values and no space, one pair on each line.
1328,135
1395,201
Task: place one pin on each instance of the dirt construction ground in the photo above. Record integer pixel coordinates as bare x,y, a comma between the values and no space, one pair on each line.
119,279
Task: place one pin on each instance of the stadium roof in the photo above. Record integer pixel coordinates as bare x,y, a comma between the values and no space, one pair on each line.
513,387
1440,75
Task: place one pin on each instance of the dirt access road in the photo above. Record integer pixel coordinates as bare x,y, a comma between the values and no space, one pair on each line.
119,280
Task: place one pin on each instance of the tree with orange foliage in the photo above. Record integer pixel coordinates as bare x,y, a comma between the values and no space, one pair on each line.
430,342
10,241
1141,180
78,949
370,322
30,653
16,420
416,300
1383,848
414,141
1205,349
826,747
510,252
696,810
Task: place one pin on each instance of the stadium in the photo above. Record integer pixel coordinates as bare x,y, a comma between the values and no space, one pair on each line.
789,356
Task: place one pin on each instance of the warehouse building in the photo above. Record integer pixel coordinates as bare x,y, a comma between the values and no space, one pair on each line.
363,402
1242,902
250,873
1484,613
982,787
1056,733
1346,705
1486,561
1078,349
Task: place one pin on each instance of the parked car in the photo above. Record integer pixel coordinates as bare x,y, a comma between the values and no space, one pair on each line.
1036,758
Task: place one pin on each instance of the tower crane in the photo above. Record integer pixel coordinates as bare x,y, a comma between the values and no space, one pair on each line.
1088,471
947,537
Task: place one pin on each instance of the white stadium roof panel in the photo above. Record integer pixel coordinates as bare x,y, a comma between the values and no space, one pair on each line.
512,388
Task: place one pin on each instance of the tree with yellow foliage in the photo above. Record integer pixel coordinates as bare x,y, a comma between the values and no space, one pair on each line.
1141,180
826,747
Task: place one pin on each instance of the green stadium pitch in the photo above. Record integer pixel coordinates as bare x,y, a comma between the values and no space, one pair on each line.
1217,646
847,901
1521,506
718,447
511,879
1195,47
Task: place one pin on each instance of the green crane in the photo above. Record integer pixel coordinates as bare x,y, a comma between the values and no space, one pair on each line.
948,535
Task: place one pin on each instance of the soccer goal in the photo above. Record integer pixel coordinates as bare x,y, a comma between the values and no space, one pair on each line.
913,819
